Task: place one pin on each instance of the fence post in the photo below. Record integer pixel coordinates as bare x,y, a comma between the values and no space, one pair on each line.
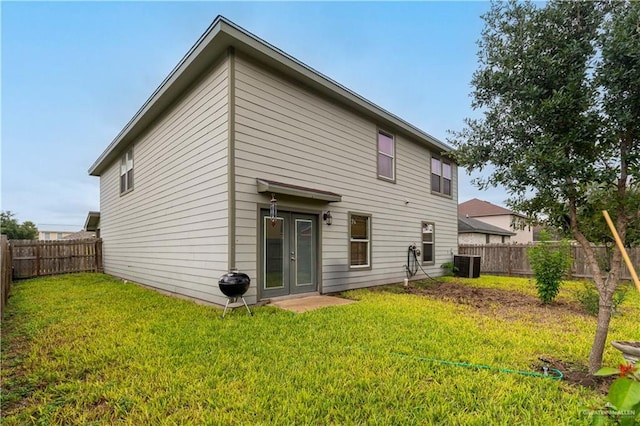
509,260
98,252
6,272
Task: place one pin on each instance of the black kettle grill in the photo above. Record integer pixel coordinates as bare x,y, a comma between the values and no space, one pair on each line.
233,285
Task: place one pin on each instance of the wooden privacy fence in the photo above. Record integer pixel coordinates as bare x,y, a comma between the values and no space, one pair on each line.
512,259
34,258
6,272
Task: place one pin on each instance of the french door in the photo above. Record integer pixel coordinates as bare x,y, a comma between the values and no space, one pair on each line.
289,254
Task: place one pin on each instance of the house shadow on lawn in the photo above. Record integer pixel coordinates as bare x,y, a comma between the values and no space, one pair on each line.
510,305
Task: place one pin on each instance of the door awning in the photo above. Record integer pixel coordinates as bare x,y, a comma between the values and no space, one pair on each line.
297,191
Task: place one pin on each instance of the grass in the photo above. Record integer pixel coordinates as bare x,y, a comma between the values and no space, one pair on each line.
87,348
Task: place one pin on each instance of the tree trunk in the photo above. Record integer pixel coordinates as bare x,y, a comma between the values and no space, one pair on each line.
604,311
606,287
602,330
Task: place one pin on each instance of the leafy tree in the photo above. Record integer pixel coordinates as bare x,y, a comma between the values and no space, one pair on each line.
16,231
558,90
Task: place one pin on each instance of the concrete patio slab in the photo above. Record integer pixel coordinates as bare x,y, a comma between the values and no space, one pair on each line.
309,303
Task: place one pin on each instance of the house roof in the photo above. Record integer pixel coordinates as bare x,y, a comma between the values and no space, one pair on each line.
468,225
479,208
93,221
80,235
221,35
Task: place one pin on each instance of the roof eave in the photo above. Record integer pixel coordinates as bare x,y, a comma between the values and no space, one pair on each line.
191,65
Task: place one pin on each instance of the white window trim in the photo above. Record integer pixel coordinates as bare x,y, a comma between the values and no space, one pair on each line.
359,240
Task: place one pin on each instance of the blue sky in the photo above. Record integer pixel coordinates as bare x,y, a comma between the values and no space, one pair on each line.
74,73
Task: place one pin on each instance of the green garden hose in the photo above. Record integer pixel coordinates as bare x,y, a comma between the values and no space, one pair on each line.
552,373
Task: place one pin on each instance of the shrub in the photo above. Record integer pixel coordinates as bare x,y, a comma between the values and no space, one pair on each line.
549,263
449,268
590,301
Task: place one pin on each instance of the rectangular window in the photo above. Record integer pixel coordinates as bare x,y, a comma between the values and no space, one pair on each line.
126,172
487,238
47,235
440,176
435,174
428,253
386,156
359,241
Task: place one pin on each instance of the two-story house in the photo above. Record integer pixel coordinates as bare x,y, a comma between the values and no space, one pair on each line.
514,224
246,158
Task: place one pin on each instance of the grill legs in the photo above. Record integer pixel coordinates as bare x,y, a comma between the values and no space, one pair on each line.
235,299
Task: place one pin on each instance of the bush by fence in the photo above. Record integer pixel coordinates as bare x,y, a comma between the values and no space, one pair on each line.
511,259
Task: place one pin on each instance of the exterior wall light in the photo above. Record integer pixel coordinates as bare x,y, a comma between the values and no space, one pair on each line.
273,209
328,219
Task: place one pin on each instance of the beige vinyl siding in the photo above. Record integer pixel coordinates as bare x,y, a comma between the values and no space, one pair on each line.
170,231
289,134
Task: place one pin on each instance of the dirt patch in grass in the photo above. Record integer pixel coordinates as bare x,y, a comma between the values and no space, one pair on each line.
507,304
576,374
511,305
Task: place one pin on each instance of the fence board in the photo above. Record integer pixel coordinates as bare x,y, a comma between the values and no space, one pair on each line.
512,259
33,258
6,272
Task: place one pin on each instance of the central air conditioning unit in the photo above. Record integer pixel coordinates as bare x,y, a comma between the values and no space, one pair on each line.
466,266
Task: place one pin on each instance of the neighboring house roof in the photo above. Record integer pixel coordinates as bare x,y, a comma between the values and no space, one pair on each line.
52,227
468,225
221,35
93,221
80,235
479,208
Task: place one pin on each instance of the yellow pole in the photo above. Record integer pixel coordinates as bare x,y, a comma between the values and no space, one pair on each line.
622,249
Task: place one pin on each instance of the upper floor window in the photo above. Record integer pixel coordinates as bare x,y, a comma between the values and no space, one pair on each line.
359,241
386,156
440,176
126,172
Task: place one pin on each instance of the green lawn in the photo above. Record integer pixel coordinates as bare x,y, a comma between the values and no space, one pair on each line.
87,348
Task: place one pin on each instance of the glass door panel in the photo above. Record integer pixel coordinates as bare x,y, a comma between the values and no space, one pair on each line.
274,253
304,252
